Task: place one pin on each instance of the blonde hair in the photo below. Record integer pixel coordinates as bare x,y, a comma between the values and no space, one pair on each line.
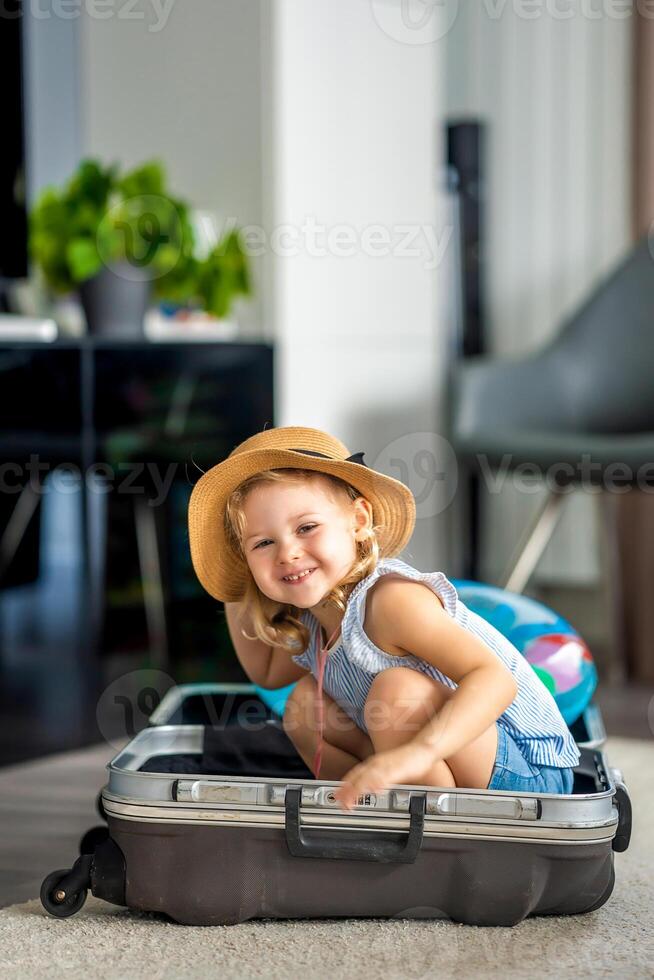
277,623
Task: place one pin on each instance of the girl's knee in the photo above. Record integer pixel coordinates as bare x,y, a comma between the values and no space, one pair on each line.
305,688
299,705
300,722
403,699
404,684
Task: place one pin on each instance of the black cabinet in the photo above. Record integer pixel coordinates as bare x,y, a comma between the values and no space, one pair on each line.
102,585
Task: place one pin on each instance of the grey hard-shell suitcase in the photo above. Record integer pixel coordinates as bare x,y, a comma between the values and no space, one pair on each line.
219,822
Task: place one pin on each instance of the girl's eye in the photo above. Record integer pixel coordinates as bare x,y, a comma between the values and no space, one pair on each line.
265,541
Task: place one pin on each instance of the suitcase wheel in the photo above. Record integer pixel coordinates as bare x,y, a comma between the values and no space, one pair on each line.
58,902
91,839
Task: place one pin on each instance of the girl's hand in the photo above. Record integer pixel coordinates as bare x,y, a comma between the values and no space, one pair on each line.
406,764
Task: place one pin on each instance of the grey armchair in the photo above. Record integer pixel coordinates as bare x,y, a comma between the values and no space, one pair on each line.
581,409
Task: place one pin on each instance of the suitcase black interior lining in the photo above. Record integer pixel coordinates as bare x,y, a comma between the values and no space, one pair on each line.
236,751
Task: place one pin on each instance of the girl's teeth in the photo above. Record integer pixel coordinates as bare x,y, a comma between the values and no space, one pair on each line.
295,578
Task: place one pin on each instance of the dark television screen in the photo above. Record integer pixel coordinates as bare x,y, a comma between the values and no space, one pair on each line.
13,220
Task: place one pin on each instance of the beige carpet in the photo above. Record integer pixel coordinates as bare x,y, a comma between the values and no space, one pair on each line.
104,941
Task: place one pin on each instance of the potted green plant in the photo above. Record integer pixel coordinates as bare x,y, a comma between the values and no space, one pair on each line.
118,239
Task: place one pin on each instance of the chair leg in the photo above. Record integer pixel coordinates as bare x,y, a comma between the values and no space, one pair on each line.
17,525
152,579
534,543
614,592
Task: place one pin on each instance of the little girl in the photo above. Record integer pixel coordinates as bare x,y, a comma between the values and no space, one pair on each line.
398,681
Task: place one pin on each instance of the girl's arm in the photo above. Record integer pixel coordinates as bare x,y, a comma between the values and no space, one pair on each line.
267,666
411,616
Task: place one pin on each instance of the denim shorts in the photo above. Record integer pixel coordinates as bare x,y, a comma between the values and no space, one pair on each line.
513,772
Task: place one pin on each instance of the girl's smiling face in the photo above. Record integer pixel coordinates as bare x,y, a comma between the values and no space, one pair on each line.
292,528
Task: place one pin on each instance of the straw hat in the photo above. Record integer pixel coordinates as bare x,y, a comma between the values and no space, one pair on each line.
220,569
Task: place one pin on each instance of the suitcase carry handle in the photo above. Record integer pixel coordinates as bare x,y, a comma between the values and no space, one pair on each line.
623,803
365,847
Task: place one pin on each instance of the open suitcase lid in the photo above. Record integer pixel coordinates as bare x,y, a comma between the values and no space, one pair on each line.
590,815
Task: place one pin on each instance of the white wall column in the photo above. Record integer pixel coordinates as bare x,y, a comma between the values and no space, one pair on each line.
351,203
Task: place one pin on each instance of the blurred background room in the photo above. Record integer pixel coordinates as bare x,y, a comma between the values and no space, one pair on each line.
423,227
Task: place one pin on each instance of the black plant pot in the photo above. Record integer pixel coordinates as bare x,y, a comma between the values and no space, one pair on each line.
116,299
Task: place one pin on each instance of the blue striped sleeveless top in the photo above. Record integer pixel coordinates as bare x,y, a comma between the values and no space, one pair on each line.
533,719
